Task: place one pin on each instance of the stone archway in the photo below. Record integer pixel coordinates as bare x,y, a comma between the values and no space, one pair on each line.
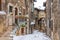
41,25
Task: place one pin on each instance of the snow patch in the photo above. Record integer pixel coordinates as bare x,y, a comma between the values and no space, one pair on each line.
36,35
2,12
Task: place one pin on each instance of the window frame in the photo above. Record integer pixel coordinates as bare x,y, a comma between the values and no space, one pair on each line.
10,4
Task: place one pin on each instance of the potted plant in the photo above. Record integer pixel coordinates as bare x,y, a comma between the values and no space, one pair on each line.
22,28
22,25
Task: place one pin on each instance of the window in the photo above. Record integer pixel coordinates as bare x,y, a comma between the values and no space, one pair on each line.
23,11
44,4
19,13
16,20
10,8
16,11
32,9
51,24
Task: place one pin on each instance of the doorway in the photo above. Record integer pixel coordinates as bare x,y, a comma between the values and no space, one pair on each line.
16,13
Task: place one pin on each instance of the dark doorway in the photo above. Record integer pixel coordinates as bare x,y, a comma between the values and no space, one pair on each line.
40,22
10,8
16,13
0,5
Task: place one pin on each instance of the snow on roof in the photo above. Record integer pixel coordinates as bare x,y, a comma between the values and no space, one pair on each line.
2,13
39,4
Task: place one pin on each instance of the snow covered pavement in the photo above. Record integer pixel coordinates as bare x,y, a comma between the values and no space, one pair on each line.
34,36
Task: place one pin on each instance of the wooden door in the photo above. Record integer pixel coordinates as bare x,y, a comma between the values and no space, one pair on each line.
16,13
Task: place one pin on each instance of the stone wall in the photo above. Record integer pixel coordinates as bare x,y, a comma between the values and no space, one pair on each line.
55,33
56,19
2,24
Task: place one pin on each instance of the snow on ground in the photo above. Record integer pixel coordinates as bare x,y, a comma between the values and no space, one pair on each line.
34,36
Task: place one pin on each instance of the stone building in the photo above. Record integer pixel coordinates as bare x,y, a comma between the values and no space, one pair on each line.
48,13
56,12
40,20
53,15
18,12
40,17
36,12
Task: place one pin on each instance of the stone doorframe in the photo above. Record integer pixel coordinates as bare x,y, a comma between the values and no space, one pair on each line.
8,14
13,12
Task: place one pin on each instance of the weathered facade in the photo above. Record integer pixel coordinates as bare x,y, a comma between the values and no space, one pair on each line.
56,12
40,20
53,15
50,18
18,12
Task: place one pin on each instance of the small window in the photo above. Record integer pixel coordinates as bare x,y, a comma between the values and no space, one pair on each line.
19,13
44,4
10,8
23,11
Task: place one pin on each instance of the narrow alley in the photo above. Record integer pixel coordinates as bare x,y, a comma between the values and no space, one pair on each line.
29,19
